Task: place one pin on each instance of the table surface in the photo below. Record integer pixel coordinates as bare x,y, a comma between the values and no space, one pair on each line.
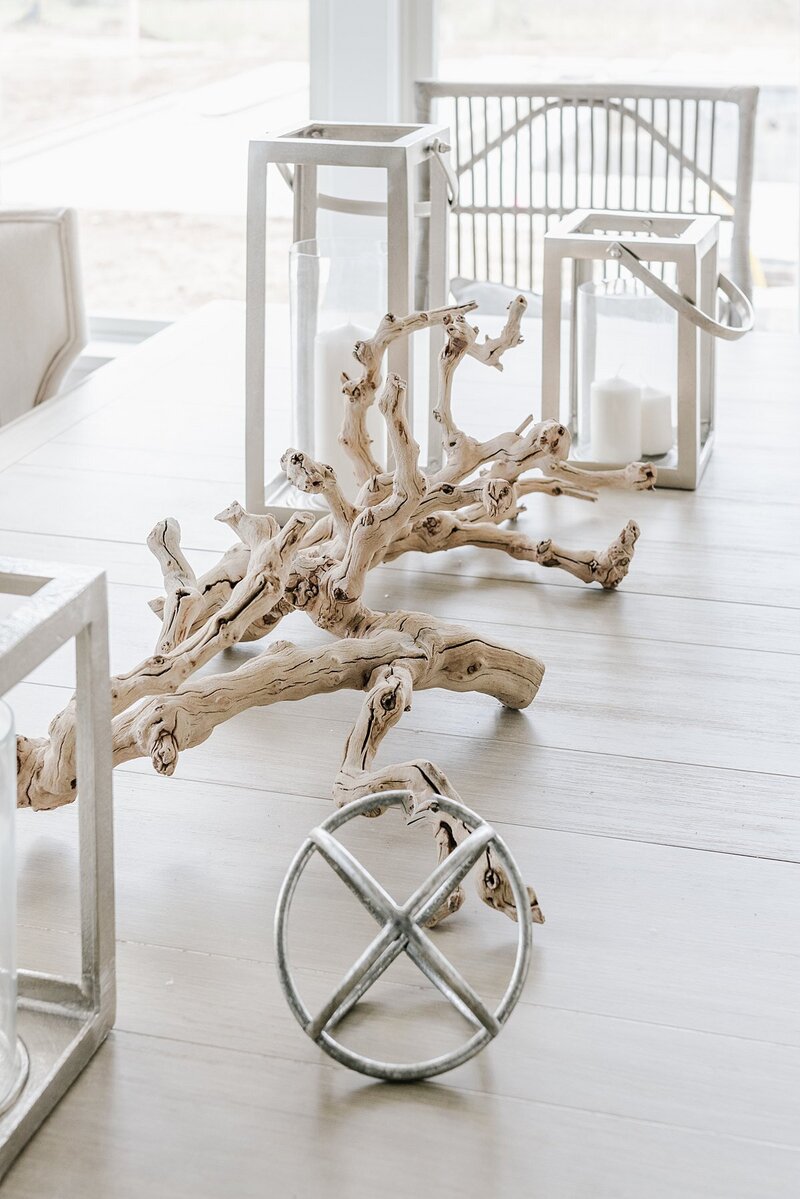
650,793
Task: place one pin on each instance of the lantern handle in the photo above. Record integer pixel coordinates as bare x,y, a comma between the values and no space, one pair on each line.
437,150
685,307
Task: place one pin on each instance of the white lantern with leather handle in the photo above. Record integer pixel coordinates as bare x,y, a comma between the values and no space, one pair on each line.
644,306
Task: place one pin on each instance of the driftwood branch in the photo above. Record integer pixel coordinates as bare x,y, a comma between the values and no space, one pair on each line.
160,708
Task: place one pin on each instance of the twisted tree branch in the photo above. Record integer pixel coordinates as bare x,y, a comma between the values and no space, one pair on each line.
160,709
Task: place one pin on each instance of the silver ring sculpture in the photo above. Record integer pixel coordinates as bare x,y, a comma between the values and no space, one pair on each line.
402,931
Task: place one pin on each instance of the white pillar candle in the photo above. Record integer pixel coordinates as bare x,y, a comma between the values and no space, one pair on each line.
656,421
615,421
333,353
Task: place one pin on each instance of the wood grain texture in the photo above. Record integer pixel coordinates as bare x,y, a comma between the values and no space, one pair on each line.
284,1127
676,958
533,602
734,733
651,791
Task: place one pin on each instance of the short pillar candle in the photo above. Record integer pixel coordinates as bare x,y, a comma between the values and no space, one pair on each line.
615,420
657,435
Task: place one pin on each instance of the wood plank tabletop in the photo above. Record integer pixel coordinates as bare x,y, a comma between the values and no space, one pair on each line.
650,793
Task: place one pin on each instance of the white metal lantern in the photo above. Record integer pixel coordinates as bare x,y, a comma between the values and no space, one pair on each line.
50,1026
635,379
403,152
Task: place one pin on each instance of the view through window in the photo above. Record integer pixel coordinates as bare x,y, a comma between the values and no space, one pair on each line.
138,114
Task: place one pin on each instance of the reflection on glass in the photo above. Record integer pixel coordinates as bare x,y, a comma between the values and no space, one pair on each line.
338,296
9,1058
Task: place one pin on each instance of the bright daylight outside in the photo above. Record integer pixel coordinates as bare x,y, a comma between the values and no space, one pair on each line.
138,113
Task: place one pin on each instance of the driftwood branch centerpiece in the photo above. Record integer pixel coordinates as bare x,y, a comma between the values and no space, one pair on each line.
321,569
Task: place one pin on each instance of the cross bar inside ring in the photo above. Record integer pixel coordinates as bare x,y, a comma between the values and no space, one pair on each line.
401,931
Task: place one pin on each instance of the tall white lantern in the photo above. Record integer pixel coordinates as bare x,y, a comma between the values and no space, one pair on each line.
634,377
418,176
51,1025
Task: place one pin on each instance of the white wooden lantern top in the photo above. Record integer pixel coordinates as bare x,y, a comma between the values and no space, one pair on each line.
590,233
326,143
59,597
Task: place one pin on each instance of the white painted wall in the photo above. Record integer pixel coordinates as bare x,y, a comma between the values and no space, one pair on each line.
364,56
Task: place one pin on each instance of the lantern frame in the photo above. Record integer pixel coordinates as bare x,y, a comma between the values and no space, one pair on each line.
400,150
587,236
62,1021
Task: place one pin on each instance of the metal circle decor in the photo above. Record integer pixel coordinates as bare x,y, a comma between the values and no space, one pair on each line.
402,931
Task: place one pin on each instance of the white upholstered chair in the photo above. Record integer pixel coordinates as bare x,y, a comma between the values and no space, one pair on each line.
42,317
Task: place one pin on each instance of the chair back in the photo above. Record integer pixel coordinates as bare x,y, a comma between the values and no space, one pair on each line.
527,154
42,318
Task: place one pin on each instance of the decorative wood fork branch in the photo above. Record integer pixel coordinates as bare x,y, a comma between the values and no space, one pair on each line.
160,710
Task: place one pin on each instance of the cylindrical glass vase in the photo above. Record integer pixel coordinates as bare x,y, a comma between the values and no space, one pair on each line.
13,1061
626,335
338,295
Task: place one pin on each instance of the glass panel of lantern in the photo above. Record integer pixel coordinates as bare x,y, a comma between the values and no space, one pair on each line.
356,285
337,297
12,1053
50,1025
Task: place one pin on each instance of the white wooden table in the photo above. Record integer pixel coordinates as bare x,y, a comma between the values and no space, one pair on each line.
650,793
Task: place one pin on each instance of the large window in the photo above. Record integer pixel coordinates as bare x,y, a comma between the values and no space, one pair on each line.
138,113
684,41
